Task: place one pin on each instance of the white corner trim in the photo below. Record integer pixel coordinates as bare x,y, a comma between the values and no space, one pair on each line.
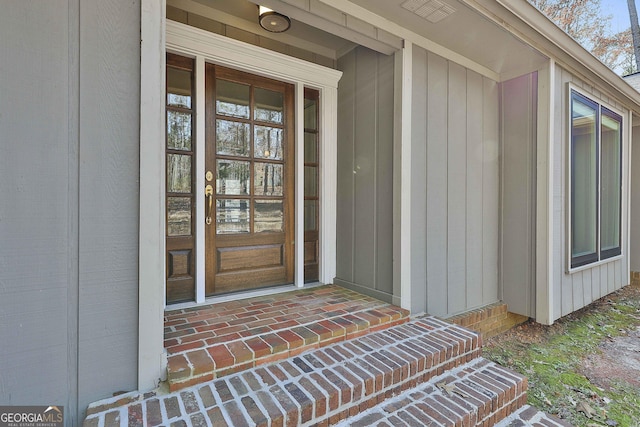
405,121
298,194
151,250
544,195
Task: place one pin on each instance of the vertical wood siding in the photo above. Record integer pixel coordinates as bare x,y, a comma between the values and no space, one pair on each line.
518,109
455,187
69,108
36,235
365,173
574,291
109,197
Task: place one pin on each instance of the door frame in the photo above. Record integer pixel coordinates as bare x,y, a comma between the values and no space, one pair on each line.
209,47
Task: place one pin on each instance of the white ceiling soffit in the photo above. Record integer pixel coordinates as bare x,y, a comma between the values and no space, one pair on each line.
247,20
459,33
334,21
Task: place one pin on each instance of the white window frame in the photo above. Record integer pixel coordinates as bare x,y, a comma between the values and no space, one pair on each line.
601,104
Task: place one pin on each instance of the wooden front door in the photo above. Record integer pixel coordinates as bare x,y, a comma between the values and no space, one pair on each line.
249,181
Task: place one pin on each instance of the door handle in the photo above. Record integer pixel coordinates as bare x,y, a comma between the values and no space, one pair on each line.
208,193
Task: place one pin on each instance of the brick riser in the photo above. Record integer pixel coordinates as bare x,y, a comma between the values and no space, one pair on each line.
484,394
326,386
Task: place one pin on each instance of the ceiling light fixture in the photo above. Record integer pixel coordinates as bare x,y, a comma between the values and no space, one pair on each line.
273,21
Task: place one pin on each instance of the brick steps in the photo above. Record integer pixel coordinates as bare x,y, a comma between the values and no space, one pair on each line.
328,385
530,416
479,393
214,341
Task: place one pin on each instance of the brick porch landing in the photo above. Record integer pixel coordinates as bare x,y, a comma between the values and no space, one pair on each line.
208,342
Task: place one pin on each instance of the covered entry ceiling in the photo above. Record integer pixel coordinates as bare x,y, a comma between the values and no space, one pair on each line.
332,28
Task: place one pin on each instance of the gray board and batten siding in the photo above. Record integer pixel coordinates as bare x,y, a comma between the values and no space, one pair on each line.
518,100
572,291
365,174
455,187
69,178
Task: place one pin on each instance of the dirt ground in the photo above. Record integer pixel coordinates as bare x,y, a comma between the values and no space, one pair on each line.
586,367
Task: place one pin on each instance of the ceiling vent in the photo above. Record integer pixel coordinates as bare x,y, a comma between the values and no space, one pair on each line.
431,10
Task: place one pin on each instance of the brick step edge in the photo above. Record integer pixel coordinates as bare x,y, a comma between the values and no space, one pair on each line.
480,393
530,416
322,387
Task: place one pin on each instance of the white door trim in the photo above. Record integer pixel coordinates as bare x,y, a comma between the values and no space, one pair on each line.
209,47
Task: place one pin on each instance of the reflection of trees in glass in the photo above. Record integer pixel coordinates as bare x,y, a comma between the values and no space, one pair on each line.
178,130
268,179
179,216
233,177
232,109
268,142
232,138
178,173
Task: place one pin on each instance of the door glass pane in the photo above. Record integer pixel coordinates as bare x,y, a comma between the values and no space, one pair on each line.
268,179
178,173
310,147
610,186
269,216
310,209
178,216
232,138
310,181
232,99
232,216
310,114
268,142
232,177
269,105
178,130
583,179
178,87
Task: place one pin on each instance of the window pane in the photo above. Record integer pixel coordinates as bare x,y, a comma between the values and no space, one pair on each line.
232,177
268,179
310,210
610,197
232,99
310,147
269,105
178,216
310,114
178,87
583,178
232,216
178,130
178,173
269,216
310,181
232,138
268,142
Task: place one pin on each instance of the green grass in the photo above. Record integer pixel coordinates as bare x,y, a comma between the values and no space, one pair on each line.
552,366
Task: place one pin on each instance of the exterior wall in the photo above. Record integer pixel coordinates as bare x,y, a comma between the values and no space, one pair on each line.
108,198
518,100
68,220
570,292
455,187
38,227
365,173
634,226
